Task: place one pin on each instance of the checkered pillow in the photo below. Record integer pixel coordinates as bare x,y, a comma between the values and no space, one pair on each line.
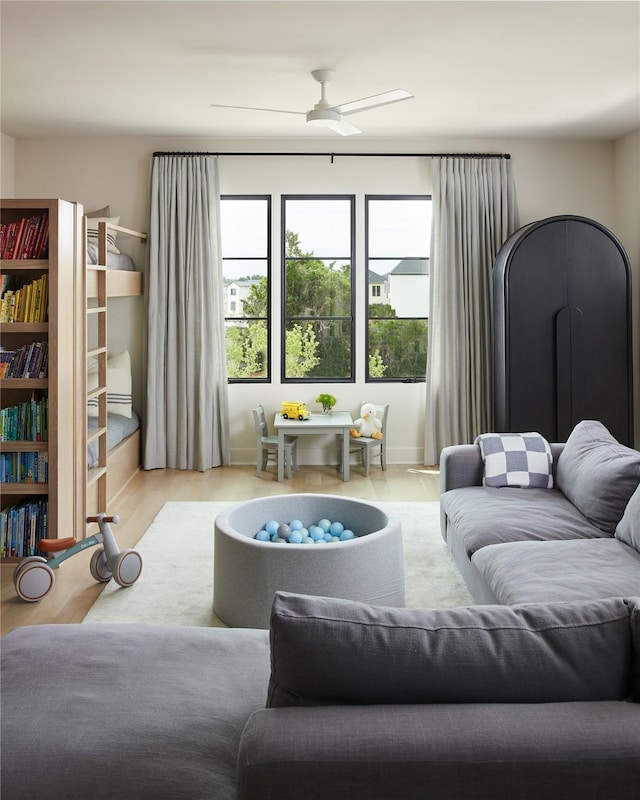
516,459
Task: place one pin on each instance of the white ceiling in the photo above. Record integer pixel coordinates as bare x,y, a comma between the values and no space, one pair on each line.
477,69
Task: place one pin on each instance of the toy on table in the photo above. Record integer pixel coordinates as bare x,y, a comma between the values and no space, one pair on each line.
34,576
367,423
290,410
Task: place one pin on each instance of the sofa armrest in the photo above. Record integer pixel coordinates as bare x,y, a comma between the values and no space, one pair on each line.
460,466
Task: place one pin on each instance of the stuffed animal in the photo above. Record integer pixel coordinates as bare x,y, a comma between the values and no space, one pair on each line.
367,423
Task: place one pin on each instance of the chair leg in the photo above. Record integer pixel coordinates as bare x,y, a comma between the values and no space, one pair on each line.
366,457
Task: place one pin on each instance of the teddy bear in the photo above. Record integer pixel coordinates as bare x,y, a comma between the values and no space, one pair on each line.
367,423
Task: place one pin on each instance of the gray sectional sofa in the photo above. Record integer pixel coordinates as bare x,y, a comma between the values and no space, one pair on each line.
338,700
577,540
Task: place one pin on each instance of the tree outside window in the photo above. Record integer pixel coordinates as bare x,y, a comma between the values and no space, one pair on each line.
397,235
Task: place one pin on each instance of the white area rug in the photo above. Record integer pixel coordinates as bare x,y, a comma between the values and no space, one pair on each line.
176,585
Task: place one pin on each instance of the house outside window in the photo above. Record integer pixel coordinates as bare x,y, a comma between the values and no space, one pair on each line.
317,286
397,242
246,264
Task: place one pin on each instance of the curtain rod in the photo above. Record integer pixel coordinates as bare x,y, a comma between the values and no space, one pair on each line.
347,155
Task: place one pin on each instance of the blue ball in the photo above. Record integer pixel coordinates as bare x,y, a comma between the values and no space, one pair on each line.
277,540
304,532
263,536
336,528
334,539
346,535
307,540
327,537
272,526
319,541
316,533
295,537
325,524
296,525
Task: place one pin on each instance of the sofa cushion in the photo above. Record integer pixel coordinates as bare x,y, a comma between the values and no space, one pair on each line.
628,529
129,710
535,572
598,474
484,515
519,751
516,459
327,651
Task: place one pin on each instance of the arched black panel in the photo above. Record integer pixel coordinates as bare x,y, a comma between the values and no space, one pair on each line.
562,346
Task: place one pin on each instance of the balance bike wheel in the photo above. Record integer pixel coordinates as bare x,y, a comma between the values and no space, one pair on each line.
98,567
23,563
34,580
127,567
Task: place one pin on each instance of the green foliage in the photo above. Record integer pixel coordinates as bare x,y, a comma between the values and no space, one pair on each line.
247,350
300,353
377,367
326,400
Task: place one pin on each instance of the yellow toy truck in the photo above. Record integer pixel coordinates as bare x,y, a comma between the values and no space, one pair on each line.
294,411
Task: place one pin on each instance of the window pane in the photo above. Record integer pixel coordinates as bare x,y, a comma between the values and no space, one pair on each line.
318,349
243,228
397,348
317,288
323,227
399,228
247,349
247,296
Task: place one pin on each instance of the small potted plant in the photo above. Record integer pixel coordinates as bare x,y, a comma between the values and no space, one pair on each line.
327,401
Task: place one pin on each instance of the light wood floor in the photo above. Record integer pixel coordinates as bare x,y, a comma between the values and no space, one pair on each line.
75,591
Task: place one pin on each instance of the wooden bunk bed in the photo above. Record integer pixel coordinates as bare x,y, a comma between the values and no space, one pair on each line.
109,468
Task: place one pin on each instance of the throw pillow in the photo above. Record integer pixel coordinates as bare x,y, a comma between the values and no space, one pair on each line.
92,232
516,459
326,651
99,212
118,385
628,529
598,474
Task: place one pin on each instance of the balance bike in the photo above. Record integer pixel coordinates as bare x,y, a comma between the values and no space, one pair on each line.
34,576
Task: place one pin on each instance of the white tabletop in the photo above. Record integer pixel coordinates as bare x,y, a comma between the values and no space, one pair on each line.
338,419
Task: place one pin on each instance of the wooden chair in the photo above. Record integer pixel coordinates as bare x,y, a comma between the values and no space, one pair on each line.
267,445
369,448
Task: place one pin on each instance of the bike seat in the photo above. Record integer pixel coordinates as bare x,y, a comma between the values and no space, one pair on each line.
55,545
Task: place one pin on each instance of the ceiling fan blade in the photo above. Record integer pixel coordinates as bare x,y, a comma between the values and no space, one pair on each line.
394,96
251,108
344,128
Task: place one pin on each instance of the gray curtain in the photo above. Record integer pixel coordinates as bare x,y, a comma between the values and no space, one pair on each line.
474,211
186,421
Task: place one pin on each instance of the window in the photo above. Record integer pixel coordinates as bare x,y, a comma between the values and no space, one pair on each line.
317,287
397,241
246,264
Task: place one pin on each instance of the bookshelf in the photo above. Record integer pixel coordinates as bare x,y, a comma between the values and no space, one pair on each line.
42,487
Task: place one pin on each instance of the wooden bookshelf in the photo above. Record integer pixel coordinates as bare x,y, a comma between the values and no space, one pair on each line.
64,383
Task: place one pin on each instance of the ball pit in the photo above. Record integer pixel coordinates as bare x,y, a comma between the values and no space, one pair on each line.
360,559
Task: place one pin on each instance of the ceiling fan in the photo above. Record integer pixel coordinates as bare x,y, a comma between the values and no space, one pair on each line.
324,115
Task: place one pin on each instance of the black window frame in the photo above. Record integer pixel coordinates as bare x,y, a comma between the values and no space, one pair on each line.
268,257
321,257
368,197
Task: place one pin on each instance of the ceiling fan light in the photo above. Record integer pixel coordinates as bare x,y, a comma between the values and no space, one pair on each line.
323,117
